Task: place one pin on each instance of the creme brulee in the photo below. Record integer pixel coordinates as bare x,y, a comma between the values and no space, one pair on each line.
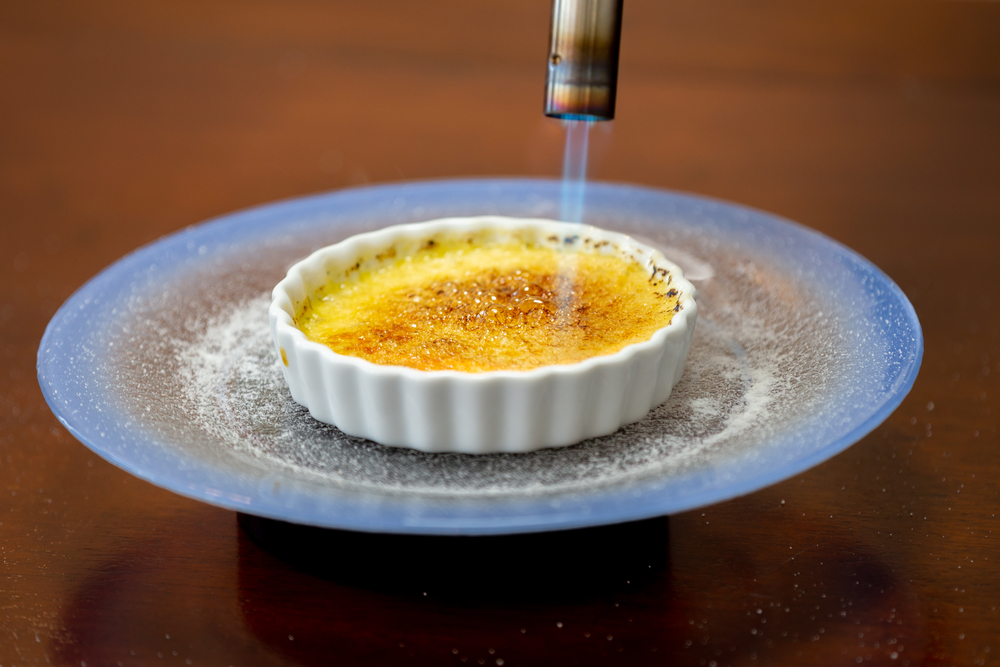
488,307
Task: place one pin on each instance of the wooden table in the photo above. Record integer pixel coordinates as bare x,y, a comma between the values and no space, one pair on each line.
874,122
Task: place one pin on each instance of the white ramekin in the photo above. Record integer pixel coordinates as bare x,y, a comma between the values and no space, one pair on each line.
477,413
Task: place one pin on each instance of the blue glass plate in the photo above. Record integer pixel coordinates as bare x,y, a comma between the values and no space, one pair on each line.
163,365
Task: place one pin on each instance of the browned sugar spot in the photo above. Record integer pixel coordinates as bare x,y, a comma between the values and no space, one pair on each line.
496,307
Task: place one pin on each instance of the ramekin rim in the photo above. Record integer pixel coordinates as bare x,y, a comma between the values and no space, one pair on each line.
678,324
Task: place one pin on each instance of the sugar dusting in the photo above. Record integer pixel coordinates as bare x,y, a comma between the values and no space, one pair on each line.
191,366
761,357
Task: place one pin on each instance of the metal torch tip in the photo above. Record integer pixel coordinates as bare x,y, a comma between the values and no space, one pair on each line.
583,59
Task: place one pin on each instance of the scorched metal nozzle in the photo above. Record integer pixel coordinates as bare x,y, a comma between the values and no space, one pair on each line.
583,59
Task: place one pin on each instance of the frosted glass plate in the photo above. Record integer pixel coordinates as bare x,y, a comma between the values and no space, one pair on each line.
163,365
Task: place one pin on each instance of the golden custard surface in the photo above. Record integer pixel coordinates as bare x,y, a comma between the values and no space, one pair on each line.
495,306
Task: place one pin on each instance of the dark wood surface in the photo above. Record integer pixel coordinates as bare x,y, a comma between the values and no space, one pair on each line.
874,122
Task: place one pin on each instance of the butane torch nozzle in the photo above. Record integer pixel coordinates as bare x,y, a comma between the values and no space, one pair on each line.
583,59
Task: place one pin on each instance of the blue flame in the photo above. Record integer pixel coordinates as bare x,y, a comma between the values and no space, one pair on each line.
575,169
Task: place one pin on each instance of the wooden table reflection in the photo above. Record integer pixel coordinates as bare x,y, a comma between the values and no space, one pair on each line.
876,123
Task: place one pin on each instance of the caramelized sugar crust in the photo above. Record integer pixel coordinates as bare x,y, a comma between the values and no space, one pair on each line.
496,306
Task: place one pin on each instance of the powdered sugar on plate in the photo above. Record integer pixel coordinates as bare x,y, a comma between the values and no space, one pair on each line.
752,368
163,365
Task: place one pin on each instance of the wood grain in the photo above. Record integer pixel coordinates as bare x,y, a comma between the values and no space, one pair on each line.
874,122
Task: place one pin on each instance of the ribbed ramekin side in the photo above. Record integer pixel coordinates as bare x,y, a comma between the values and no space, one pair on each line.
425,411
567,417
675,350
304,364
380,403
692,319
342,396
527,404
287,351
479,415
608,393
645,375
